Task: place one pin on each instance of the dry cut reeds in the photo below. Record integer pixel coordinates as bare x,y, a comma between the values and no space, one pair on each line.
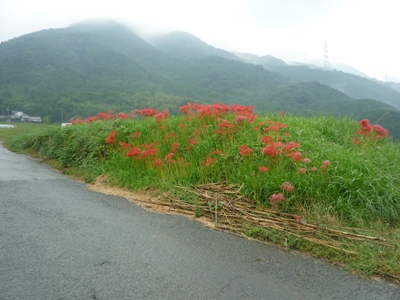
225,208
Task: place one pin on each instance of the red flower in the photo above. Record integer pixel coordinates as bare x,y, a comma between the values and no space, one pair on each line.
208,161
270,151
286,186
241,118
216,152
111,137
192,142
169,156
263,169
161,115
245,150
290,146
380,131
298,218
175,147
296,155
91,119
135,135
157,163
122,116
146,112
133,152
266,139
124,145
275,199
106,116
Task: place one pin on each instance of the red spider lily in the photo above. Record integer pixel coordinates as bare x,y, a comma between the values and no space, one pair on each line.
380,131
149,146
157,163
111,137
306,160
122,116
133,152
298,218
149,152
286,134
275,126
146,112
192,141
216,152
218,109
302,170
275,199
290,146
175,147
270,151
224,127
241,118
161,115
208,161
267,139
286,186
186,109
324,165
313,169
169,156
181,125
296,155
106,116
91,119
78,120
263,169
273,149
245,150
171,135
135,135
124,145
374,131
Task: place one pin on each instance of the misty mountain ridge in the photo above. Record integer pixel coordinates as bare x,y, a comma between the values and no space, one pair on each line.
96,66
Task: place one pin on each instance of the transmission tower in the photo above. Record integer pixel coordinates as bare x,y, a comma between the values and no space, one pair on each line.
326,60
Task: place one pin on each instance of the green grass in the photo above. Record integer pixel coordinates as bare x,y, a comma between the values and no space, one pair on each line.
359,187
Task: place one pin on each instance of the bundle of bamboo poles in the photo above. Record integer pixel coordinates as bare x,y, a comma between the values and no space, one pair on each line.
230,210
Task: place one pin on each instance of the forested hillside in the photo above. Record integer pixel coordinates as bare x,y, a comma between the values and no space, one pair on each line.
91,67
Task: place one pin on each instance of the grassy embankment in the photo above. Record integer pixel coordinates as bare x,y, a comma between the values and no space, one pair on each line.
325,185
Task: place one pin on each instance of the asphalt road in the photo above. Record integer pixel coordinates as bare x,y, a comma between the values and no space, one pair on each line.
59,240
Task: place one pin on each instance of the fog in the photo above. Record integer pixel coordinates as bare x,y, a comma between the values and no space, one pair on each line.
362,34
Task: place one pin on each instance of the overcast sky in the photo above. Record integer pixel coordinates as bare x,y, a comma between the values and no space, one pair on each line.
361,33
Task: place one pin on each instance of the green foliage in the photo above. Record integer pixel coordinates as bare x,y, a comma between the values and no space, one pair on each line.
360,182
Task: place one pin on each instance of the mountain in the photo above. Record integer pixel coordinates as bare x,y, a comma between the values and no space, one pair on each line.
354,86
255,59
183,45
97,66
393,85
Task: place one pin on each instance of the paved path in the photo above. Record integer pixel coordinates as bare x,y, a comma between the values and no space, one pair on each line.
60,241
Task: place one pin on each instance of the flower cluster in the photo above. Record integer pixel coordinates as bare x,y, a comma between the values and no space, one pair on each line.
370,132
211,139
